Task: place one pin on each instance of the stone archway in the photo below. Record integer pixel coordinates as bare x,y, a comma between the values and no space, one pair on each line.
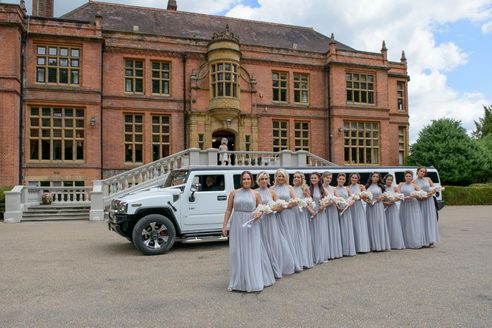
217,137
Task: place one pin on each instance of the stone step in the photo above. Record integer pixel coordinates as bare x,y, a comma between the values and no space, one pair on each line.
56,210
57,218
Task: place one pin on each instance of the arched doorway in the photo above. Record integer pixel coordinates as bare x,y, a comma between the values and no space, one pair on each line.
218,135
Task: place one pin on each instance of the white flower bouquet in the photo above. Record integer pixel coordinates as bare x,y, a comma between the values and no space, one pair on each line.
419,194
355,197
258,212
299,202
437,189
393,197
366,195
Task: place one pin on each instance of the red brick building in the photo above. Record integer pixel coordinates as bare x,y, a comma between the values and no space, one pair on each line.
108,87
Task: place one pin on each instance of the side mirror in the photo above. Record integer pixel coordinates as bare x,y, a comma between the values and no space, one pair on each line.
193,189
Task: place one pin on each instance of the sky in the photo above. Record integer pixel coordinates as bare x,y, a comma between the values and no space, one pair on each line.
447,43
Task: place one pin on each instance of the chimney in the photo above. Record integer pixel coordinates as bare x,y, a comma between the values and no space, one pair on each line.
43,8
171,5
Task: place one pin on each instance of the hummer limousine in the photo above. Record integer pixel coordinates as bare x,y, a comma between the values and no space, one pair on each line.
190,206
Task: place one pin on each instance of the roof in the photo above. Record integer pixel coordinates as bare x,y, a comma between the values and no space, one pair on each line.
180,24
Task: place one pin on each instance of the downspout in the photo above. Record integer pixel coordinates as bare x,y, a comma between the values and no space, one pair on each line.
21,101
101,116
184,56
328,111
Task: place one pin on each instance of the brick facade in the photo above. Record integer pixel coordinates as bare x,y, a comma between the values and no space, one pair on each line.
196,117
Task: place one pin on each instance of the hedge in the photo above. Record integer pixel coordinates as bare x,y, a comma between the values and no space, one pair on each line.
475,194
2,200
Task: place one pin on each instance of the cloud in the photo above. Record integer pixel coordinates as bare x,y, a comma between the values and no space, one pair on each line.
405,25
487,27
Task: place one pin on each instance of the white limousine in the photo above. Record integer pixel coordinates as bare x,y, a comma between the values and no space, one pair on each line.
190,206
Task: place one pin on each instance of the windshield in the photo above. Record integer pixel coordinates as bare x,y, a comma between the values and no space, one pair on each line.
176,178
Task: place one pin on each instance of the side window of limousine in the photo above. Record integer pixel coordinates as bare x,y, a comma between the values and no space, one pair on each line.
211,182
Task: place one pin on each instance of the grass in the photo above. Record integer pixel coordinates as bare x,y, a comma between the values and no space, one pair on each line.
474,194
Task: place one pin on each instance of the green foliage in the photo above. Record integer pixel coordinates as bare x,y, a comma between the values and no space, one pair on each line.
445,145
485,146
476,194
2,199
483,126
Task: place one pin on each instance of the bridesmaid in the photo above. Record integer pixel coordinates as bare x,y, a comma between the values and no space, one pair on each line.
428,208
334,234
275,244
376,221
346,225
361,234
304,233
393,215
410,213
319,221
287,218
249,269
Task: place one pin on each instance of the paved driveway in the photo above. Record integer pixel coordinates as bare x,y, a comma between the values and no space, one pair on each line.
79,274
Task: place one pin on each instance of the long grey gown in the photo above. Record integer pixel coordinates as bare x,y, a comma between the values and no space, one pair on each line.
304,234
411,218
428,208
249,267
288,225
394,225
276,246
361,234
334,234
319,228
346,227
376,222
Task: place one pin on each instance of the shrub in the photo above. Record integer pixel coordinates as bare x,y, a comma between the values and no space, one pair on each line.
475,194
2,200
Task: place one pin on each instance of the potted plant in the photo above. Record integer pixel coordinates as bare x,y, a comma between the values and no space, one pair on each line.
46,198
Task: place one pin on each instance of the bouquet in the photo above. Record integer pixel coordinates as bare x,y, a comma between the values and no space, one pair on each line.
276,204
393,197
328,200
365,195
258,212
436,189
310,202
300,202
419,194
354,197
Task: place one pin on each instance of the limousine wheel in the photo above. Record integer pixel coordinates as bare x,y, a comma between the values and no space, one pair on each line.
154,234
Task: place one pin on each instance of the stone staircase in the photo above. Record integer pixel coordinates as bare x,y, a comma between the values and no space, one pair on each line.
64,212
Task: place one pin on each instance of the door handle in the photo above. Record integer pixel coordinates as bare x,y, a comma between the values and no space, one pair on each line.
221,197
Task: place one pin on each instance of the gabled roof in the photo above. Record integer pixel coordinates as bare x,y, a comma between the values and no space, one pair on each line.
122,18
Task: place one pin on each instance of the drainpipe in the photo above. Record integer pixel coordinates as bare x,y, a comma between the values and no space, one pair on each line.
21,102
328,110
184,56
101,117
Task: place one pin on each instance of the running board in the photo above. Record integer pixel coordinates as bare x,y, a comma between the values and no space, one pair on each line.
201,239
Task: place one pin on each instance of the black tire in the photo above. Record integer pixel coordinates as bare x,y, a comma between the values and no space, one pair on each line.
154,234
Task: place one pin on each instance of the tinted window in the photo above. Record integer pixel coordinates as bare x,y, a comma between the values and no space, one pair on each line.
237,181
433,176
400,177
211,182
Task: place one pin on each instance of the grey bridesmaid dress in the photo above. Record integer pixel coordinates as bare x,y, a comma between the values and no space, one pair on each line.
376,222
250,269
361,234
318,226
394,225
303,233
346,227
429,214
288,225
275,244
334,235
411,218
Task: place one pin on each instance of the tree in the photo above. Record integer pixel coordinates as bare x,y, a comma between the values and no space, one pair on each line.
484,125
445,145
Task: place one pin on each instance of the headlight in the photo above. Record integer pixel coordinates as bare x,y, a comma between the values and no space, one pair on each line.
118,206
